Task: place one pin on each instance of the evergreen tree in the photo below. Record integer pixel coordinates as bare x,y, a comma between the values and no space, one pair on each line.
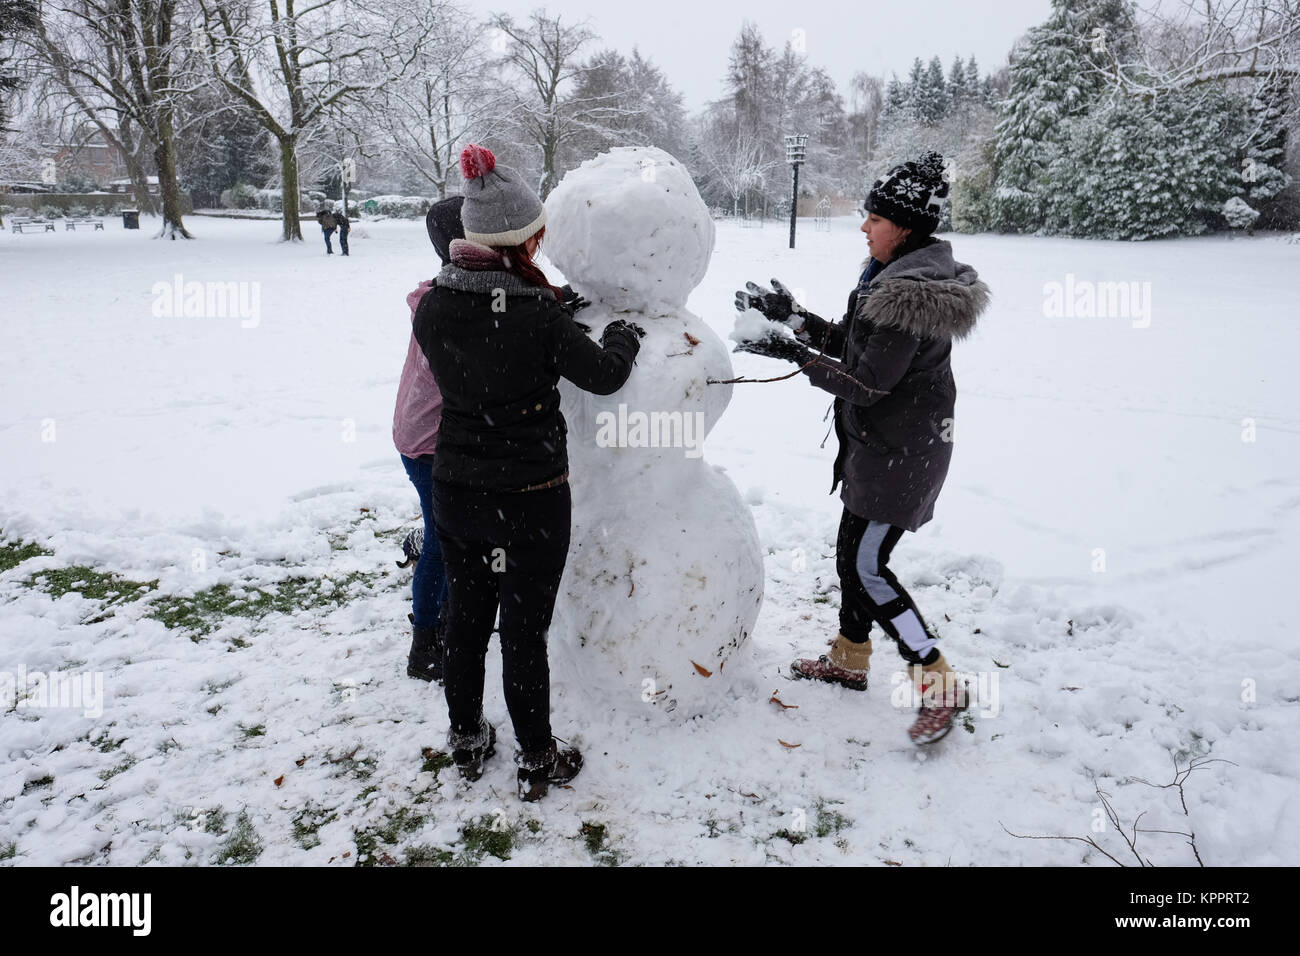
957,91
16,16
1050,86
1262,172
1141,170
932,95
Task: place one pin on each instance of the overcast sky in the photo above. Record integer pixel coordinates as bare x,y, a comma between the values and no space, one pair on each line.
690,39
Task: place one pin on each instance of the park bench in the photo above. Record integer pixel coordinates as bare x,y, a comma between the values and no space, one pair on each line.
70,225
20,224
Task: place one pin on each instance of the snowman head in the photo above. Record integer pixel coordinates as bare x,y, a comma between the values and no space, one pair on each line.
629,229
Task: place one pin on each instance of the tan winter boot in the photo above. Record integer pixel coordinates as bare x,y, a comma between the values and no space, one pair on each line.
846,663
943,697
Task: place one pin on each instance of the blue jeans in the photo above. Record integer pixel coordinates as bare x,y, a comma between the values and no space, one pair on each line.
343,240
328,233
429,585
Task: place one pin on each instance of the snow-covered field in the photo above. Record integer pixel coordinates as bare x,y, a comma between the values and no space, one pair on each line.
1112,562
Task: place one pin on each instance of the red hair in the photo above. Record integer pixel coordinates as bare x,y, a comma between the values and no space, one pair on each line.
521,263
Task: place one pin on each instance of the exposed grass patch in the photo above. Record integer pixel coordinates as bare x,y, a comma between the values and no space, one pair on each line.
490,837
105,743
243,846
89,583
373,842
203,612
8,851
596,838
112,772
306,824
435,760
428,856
38,783
258,730
829,821
14,553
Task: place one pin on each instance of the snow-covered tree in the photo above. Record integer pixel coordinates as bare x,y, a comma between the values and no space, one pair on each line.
1050,87
1133,169
294,62
119,63
542,52
449,96
623,101
16,17
1263,171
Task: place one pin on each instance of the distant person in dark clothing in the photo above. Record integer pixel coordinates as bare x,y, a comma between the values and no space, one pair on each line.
327,226
342,219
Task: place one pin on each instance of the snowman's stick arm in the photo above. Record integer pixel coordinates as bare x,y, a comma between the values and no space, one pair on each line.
781,378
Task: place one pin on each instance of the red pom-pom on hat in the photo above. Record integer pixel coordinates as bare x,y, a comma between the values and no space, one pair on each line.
476,161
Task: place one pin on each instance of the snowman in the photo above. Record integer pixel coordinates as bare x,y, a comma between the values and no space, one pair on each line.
665,572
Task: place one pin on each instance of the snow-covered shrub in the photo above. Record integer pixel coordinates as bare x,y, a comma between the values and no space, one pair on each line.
50,212
1136,170
400,207
1238,214
239,196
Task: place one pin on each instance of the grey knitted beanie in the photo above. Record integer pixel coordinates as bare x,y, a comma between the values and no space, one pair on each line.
499,210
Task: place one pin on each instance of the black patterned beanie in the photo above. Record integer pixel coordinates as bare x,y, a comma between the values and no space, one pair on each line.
911,194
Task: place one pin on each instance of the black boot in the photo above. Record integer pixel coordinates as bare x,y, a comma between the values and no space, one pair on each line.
425,659
539,769
469,760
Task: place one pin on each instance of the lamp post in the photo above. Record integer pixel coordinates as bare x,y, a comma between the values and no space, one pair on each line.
796,147
349,175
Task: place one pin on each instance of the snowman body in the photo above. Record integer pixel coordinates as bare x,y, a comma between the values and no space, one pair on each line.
665,572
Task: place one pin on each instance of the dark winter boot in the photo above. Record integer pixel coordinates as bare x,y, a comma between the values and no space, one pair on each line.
424,662
943,697
469,754
846,663
541,768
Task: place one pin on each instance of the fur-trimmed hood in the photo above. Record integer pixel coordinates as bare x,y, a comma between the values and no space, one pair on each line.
926,293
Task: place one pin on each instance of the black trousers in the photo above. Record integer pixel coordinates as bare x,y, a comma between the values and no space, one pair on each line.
502,551
870,593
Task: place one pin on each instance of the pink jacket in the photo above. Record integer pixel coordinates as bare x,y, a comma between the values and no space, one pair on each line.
419,403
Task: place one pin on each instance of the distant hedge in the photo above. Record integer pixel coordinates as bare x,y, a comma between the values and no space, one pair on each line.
77,204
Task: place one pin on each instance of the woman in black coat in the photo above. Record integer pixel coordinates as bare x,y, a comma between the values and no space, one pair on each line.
888,365
498,338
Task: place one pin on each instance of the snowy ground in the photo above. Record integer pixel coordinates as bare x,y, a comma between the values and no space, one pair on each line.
1112,559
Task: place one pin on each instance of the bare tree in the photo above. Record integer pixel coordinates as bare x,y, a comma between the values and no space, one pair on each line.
291,65
448,96
1206,41
543,51
732,155
117,62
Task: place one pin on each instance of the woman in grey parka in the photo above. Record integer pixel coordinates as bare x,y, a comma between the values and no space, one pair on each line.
887,364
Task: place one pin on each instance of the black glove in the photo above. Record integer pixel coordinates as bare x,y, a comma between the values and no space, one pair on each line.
776,303
618,325
629,333
778,347
571,299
